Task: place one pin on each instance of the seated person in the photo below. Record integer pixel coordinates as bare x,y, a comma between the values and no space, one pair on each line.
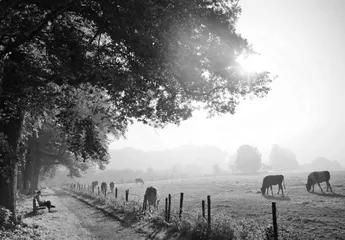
42,202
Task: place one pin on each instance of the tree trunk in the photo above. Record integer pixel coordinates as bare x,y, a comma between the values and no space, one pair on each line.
21,171
11,123
36,175
20,185
33,166
8,176
28,177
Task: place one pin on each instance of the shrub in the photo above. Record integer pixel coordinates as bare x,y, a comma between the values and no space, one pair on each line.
5,217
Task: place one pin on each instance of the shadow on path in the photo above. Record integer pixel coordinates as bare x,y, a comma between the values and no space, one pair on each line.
33,214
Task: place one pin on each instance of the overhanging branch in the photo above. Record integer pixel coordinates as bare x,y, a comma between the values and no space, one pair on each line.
11,47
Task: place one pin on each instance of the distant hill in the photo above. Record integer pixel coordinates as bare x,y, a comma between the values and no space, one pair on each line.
188,155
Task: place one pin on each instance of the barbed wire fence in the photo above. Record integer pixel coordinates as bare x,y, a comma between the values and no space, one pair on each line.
173,202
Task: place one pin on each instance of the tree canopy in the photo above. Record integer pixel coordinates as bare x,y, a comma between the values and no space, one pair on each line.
282,158
154,58
248,159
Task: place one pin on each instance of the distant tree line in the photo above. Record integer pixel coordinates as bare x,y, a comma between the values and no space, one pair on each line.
248,160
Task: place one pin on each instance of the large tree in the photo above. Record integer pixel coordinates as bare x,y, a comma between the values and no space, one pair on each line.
248,159
155,59
281,158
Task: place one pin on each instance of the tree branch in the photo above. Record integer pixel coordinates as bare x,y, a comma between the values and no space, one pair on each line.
11,47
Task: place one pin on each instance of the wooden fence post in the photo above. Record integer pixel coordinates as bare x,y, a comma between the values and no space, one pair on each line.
169,207
274,214
203,208
115,192
166,209
144,203
181,205
209,210
127,192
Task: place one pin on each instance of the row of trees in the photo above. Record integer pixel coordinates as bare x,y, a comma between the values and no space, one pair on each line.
45,146
248,160
73,71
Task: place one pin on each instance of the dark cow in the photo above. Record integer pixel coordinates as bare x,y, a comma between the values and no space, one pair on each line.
139,180
151,197
104,188
93,185
112,186
318,177
271,180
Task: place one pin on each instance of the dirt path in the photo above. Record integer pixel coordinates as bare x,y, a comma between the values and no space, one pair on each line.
72,219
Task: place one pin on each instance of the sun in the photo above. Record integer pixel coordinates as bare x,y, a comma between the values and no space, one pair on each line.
252,63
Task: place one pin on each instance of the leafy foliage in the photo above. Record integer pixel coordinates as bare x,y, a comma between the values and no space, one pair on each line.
5,169
155,58
85,136
25,232
248,159
5,217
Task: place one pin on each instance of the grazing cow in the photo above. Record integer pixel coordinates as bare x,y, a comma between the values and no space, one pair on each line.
271,180
151,197
93,185
104,188
112,186
318,177
139,180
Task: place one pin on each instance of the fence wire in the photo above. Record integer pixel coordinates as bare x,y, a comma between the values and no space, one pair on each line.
187,210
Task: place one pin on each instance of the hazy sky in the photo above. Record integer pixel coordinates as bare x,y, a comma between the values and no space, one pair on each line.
304,43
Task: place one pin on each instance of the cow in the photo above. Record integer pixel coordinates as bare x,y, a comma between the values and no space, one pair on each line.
139,180
104,188
112,186
318,177
271,180
151,197
93,185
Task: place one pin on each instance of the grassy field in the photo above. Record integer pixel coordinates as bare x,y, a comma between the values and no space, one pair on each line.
312,215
